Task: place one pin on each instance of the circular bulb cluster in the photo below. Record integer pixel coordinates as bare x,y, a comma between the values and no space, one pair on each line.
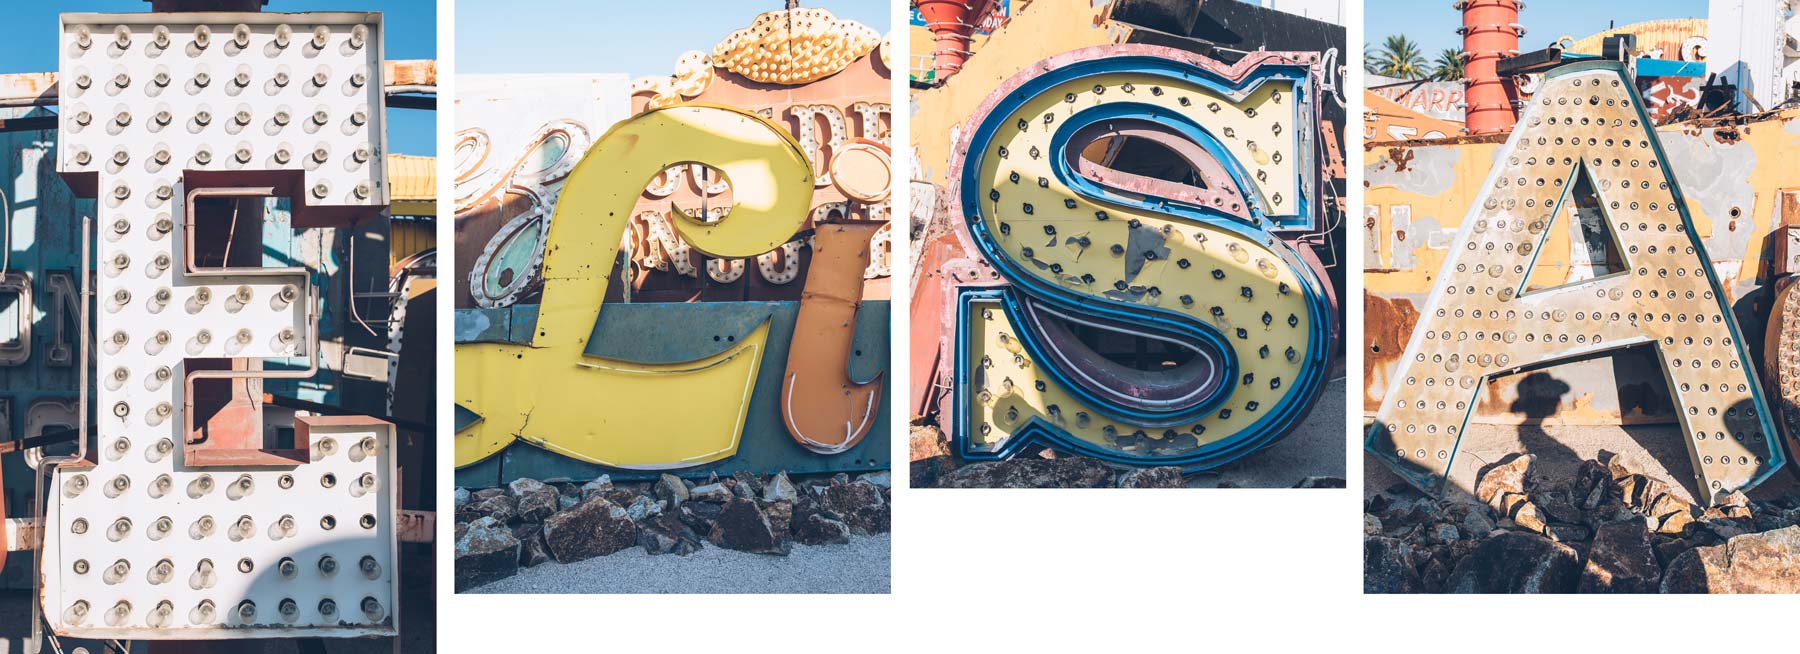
794,46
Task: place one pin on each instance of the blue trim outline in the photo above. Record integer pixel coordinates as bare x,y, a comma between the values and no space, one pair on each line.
1028,288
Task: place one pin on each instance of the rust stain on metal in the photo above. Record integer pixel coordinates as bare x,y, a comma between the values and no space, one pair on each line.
1454,140
410,72
28,85
417,526
927,315
1387,324
1334,154
22,535
1401,157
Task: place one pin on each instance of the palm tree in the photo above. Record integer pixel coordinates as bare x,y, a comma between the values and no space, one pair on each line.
1400,57
1448,67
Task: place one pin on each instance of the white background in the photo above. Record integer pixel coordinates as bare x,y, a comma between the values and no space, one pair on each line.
1085,570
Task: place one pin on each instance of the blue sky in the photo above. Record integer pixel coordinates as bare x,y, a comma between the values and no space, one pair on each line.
29,34
1433,23
637,37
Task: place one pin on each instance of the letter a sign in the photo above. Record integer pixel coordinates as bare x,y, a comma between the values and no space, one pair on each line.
1584,135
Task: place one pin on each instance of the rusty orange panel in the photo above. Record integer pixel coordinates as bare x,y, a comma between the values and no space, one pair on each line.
408,72
224,419
926,315
825,410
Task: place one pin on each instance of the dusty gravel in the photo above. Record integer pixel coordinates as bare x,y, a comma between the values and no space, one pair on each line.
860,567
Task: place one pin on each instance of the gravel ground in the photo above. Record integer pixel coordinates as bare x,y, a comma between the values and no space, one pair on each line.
860,567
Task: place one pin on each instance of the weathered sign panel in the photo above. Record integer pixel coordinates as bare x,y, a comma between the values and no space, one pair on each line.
1584,143
201,513
760,214
1087,255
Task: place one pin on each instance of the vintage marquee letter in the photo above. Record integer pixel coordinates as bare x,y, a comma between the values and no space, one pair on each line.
1585,127
1086,248
636,415
197,517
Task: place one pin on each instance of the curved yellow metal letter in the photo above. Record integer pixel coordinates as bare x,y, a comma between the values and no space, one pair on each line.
619,413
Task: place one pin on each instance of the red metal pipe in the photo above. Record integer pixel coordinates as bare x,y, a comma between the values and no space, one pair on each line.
948,21
1490,32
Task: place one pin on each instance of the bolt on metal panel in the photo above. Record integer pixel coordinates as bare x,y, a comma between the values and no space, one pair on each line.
1586,127
151,538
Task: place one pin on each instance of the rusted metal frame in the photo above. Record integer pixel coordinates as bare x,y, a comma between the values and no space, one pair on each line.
960,274
524,281
202,456
1217,192
1333,163
943,265
1705,122
21,535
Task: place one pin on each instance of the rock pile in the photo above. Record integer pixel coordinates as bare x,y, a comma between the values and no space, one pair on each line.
528,522
1609,528
933,465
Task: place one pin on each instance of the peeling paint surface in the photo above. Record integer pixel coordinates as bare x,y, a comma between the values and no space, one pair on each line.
1749,167
1422,171
1716,173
